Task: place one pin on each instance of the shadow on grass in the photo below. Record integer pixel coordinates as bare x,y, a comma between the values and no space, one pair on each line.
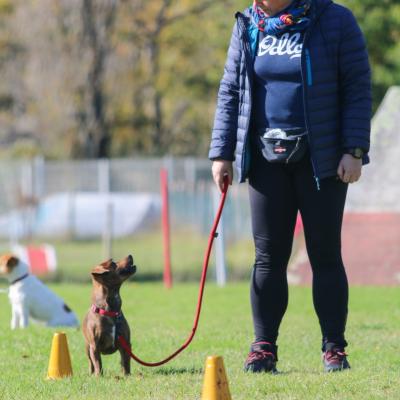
176,371
284,373
200,371
302,372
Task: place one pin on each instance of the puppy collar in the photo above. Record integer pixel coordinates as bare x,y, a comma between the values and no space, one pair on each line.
19,279
101,311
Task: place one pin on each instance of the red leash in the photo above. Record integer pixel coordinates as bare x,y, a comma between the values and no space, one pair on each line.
213,235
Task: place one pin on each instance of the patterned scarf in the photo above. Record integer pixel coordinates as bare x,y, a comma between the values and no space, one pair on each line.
292,18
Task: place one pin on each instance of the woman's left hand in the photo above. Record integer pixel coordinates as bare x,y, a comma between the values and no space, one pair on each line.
349,169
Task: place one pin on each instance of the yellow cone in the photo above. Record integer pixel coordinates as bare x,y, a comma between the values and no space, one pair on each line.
60,362
215,385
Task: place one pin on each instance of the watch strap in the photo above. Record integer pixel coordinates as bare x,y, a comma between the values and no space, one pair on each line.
356,152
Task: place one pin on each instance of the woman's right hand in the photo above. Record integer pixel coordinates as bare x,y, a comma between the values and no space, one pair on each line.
219,169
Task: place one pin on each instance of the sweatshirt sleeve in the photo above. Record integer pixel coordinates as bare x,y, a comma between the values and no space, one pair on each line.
355,85
223,138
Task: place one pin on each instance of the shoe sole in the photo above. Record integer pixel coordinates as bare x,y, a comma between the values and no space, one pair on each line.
337,368
260,371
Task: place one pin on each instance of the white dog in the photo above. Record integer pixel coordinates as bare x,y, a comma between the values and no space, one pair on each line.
29,297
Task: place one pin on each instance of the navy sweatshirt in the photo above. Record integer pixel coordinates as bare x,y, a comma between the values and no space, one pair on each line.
278,89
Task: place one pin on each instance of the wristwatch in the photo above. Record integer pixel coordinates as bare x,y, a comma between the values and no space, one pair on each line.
356,152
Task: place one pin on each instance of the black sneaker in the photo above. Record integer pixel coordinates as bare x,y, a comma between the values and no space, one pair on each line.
334,358
262,358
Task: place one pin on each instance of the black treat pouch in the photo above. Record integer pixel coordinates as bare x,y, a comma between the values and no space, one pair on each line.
283,146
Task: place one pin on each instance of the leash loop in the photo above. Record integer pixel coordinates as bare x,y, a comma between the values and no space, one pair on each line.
212,236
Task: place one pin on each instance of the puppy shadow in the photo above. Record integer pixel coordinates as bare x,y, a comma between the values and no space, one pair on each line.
177,371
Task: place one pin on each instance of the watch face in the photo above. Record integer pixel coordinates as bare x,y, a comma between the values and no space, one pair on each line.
358,153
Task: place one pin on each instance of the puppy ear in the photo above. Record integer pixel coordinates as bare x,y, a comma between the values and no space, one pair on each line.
12,262
99,270
102,268
9,261
108,263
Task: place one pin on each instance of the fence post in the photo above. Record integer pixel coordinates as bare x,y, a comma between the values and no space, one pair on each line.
166,227
14,229
220,264
104,188
108,229
190,171
39,177
103,177
71,215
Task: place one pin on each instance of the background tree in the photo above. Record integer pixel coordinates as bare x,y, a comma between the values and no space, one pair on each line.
175,49
380,22
98,78
98,19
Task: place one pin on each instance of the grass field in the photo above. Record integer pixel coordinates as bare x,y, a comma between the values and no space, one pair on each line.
76,258
160,321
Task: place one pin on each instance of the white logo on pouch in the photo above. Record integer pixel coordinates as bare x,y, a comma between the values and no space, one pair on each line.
286,44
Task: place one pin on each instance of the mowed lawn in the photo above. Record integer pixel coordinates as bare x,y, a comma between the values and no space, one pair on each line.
162,319
76,258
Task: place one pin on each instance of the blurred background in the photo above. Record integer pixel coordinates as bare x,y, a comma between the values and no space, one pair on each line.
98,96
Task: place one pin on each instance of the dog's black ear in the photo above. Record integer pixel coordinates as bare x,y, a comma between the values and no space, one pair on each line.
130,260
12,262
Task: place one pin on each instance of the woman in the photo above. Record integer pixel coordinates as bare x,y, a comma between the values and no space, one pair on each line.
293,110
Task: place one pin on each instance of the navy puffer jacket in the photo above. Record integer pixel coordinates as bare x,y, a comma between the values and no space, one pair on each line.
336,85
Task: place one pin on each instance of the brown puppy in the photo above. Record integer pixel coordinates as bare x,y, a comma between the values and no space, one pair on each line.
104,321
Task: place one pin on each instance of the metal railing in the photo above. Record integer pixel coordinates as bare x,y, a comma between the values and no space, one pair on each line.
24,185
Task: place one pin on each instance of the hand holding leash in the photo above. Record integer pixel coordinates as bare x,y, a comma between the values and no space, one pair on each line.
220,170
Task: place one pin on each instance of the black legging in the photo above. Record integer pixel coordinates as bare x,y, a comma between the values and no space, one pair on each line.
277,192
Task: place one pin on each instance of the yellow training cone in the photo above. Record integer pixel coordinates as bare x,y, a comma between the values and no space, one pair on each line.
215,385
60,362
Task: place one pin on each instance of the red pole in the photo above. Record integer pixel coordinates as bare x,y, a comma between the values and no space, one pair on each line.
165,228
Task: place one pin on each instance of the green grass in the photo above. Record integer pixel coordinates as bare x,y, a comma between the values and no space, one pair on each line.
160,321
76,258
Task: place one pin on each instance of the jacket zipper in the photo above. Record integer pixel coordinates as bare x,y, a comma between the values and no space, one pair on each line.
306,56
309,70
247,53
